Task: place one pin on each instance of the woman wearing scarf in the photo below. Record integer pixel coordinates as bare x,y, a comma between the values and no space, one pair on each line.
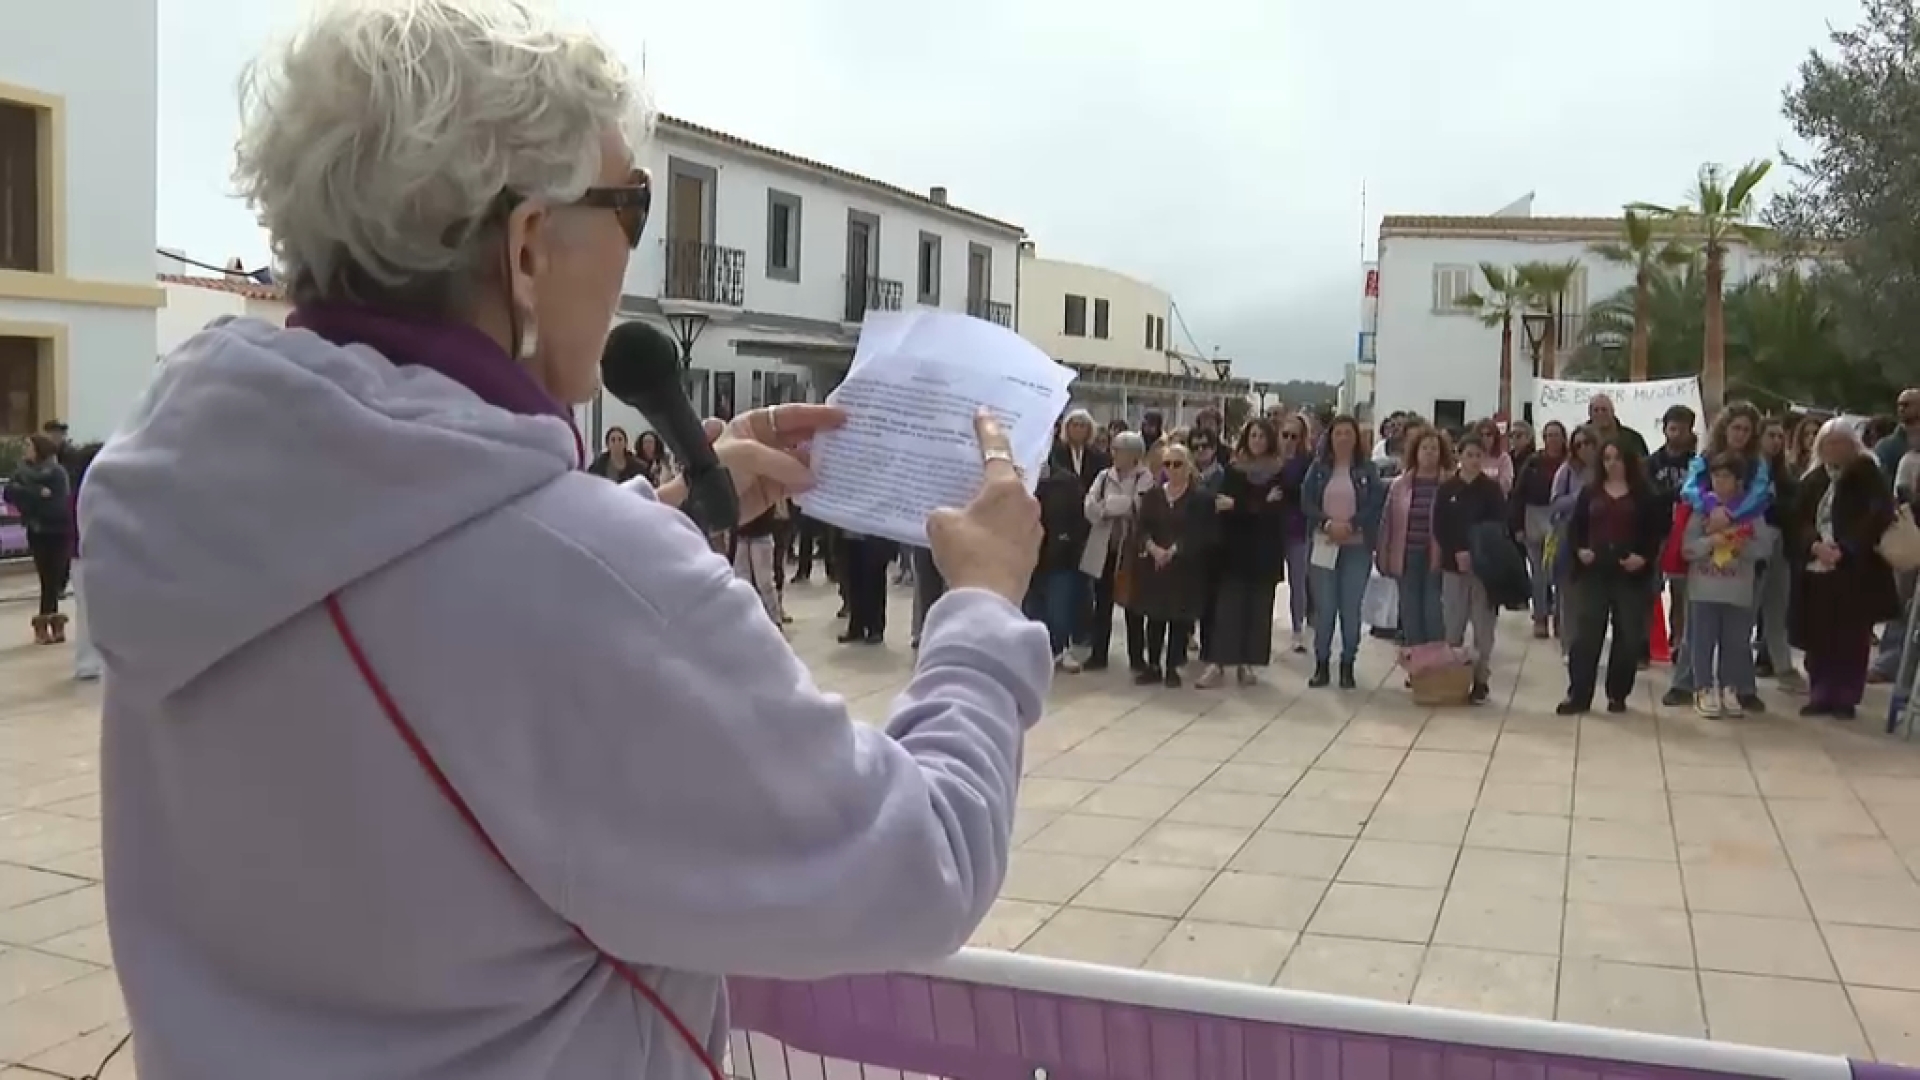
1532,515
1248,558
1575,474
1297,451
1110,506
1844,587
1175,525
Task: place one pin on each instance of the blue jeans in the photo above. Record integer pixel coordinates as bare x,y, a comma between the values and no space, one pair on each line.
1337,592
1065,599
1542,580
1720,644
1421,618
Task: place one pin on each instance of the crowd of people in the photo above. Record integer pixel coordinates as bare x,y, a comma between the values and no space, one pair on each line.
1756,540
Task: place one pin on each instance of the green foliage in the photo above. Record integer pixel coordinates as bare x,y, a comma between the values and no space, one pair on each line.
1500,297
12,452
1234,415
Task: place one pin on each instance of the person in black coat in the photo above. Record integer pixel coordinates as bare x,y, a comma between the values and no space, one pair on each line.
41,490
1617,526
1466,501
1249,558
1063,589
1172,533
1843,588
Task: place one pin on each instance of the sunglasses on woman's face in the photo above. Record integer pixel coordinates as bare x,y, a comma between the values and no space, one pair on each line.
630,202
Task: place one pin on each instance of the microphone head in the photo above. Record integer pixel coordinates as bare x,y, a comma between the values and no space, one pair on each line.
641,366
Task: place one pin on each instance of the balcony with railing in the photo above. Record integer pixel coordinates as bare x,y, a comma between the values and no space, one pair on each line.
868,293
705,273
992,311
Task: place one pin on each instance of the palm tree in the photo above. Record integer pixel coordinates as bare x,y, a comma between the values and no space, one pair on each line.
1640,249
1503,298
1673,319
1720,213
1545,285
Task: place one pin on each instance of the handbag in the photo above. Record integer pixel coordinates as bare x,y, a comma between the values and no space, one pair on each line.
1673,559
1900,544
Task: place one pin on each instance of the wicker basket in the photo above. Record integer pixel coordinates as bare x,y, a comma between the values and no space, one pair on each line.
1440,687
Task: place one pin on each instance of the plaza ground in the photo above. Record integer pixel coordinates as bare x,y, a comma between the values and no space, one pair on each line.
1755,881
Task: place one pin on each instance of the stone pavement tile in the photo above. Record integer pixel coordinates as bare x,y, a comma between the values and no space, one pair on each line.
1342,785
1415,826
1756,945
1381,970
1099,937
1047,877
1892,1022
1142,802
1210,950
88,943
1622,840
1047,793
25,972
1010,923
1864,901
1393,862
1208,847
1503,831
1511,873
1500,920
1604,993
81,1056
1630,935
1846,856
1183,773
1323,817
1361,758
29,836
1254,778
1225,808
1711,780
33,1025
1140,888
1269,900
1821,819
1875,956
1801,781
1089,835
1445,764
1459,734
1516,798
1633,882
1792,1014
1077,764
1483,981
1303,855
1743,890
1431,793
1630,805
30,924
25,884
1377,912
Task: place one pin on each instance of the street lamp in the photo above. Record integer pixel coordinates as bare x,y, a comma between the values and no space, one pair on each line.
1534,325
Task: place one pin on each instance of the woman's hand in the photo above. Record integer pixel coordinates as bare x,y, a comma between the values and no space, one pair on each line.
764,450
1586,556
994,542
1632,564
1339,531
1827,554
1275,495
1223,502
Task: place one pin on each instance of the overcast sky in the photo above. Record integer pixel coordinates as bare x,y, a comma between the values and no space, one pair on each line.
1215,147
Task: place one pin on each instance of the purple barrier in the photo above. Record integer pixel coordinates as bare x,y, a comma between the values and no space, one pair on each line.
996,1016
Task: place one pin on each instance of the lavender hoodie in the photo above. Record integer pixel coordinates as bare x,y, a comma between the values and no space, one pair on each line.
288,893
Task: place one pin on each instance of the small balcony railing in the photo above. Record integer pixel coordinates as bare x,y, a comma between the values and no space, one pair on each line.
871,293
705,273
990,310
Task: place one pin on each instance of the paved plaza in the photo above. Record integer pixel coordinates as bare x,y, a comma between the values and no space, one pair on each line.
1755,881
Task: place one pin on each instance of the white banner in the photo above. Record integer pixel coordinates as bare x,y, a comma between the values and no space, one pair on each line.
1638,405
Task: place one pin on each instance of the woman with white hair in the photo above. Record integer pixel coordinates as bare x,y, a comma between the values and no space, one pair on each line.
1844,588
426,753
1110,506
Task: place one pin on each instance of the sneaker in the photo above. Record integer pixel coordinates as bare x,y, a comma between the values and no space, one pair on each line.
1730,705
1707,703
1065,662
1750,703
1209,677
1479,694
1674,698
1790,681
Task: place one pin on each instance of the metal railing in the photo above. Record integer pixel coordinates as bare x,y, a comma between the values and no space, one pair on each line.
869,293
705,273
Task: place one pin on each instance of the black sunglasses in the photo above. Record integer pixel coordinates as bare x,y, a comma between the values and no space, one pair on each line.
630,202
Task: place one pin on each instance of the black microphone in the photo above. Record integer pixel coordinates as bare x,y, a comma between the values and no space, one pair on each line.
641,368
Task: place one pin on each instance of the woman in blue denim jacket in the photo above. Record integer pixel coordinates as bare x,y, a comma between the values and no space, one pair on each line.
1342,497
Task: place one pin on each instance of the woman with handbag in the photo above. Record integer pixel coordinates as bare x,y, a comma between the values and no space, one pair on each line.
1111,503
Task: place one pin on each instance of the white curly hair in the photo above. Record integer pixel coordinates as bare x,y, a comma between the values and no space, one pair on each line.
377,142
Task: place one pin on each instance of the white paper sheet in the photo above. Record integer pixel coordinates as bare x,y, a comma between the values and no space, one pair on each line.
908,447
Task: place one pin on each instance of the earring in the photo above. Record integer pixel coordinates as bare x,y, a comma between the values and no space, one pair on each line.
529,339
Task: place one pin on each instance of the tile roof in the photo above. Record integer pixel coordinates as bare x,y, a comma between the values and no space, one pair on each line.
687,127
252,290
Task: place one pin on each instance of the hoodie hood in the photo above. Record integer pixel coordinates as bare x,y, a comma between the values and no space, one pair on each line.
267,468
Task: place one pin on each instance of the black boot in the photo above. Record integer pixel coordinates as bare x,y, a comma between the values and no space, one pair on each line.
1347,681
1320,677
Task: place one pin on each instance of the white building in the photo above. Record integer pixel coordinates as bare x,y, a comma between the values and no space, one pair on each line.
194,300
1089,315
762,265
77,207
1437,359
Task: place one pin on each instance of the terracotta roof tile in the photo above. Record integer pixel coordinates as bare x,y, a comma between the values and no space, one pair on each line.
687,127
252,290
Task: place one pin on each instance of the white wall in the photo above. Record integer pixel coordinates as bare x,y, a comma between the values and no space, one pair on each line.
1425,356
190,308
101,58
1046,283
740,221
